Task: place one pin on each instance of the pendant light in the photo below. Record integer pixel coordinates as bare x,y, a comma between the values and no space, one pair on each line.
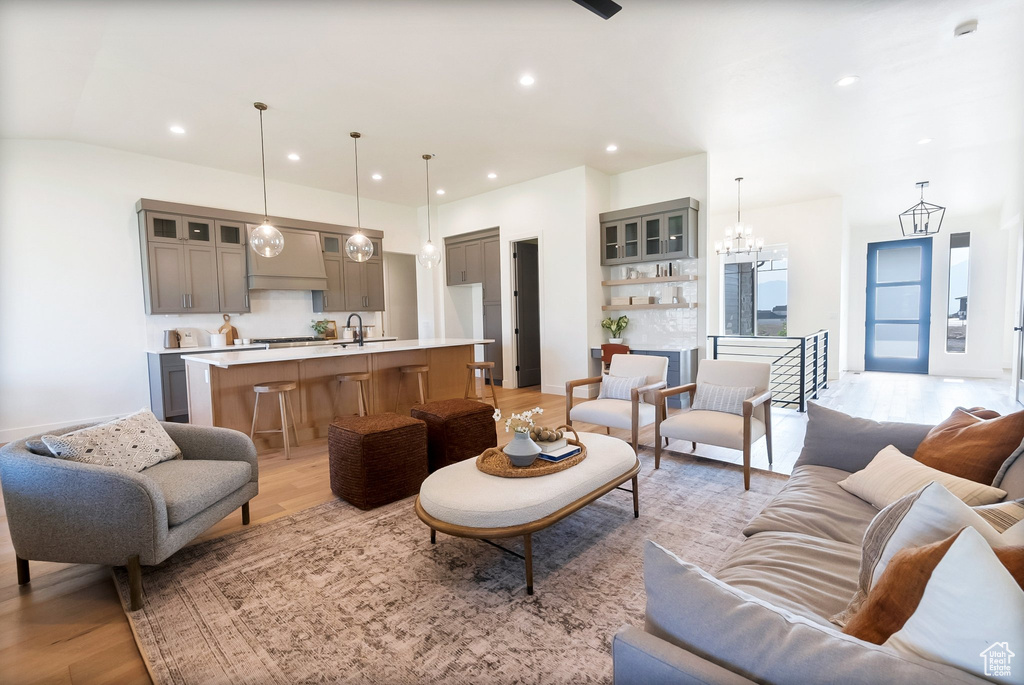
918,219
428,256
358,247
739,238
265,240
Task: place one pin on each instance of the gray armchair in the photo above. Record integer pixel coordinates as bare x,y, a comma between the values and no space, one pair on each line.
71,512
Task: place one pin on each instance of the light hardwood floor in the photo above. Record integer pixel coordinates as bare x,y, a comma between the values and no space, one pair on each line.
67,626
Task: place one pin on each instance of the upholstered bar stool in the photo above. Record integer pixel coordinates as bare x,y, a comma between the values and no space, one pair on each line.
282,388
359,379
487,372
421,379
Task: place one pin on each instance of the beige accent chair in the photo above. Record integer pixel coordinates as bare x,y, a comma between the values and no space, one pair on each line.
721,429
631,414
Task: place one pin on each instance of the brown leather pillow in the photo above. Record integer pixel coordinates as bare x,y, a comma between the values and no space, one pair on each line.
895,596
971,446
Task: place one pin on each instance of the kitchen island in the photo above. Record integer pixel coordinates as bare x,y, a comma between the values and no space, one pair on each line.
220,385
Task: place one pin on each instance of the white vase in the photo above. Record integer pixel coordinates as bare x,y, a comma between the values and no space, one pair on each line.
615,341
522,451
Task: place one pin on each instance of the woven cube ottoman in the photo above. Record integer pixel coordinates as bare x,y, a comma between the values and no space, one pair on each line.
376,459
456,430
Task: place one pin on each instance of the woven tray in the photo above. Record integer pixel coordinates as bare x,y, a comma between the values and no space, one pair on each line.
496,462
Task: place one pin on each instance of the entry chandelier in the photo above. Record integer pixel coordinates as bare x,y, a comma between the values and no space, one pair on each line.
739,238
358,247
429,256
918,220
265,240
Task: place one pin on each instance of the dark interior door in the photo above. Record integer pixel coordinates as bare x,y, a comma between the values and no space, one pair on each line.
527,299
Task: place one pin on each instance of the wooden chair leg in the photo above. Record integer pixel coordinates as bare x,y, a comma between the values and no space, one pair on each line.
494,393
363,404
470,383
134,583
657,444
528,557
245,514
398,396
746,452
255,415
768,429
336,409
693,447
636,498
24,577
607,430
284,426
421,386
291,413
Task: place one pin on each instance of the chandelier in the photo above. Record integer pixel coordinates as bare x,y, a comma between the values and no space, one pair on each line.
739,238
918,219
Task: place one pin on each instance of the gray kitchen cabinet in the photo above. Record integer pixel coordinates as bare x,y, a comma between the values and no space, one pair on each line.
364,286
374,286
455,259
232,281
202,295
199,231
465,261
664,230
492,270
168,389
230,233
474,271
164,278
333,298
492,331
163,228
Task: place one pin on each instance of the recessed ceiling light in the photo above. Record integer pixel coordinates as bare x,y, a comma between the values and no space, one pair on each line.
492,175
376,177
180,130
440,191
847,81
612,148
924,141
526,80
294,157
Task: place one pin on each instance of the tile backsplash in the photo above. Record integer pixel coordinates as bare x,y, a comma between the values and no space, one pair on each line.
657,328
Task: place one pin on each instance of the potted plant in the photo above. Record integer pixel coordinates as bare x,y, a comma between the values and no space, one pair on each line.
615,327
522,451
320,327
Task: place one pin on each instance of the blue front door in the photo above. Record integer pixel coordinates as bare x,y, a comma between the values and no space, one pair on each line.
898,306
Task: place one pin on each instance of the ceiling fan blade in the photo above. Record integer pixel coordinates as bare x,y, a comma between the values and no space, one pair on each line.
605,9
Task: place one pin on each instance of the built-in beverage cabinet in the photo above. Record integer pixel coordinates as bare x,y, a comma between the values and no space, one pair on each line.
666,230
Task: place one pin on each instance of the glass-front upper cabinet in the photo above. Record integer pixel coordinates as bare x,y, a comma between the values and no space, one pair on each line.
230,233
163,228
620,241
199,230
630,240
680,236
654,235
332,243
610,243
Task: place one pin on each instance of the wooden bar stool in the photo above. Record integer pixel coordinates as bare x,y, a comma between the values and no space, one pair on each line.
487,372
359,379
421,375
282,389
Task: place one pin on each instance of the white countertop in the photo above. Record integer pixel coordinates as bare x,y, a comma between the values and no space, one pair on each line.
197,350
287,354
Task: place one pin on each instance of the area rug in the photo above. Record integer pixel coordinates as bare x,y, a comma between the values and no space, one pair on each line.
334,594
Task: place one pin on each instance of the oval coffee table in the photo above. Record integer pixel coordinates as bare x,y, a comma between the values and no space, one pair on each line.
463,501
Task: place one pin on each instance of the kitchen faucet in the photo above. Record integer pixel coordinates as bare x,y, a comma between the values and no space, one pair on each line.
359,331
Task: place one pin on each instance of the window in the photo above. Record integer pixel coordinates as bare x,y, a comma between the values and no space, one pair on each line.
755,294
959,283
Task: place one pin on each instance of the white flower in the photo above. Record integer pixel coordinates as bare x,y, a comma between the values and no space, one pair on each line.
497,414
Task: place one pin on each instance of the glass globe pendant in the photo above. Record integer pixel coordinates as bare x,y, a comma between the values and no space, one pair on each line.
428,256
358,247
266,240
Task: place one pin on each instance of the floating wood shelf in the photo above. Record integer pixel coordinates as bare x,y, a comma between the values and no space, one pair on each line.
670,305
652,279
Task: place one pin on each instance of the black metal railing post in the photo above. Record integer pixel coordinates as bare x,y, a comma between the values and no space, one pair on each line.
803,374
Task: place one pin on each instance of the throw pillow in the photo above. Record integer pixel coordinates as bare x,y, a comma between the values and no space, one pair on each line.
132,443
971,607
892,474
722,398
620,387
1003,515
973,447
38,447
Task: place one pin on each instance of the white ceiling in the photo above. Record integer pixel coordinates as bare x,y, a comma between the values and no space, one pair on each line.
749,82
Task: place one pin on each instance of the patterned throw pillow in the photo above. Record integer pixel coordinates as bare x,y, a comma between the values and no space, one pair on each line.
723,398
132,443
620,387
1002,515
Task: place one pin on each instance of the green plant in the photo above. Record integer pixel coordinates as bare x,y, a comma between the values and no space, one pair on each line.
615,326
320,326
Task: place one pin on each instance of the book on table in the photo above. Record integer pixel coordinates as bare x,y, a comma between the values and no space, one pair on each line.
560,454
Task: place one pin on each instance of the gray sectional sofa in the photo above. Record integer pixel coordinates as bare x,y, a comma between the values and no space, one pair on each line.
802,555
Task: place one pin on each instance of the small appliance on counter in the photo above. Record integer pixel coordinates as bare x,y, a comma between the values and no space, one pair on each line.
172,340
188,338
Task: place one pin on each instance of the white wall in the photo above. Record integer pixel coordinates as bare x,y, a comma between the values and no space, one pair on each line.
73,328
815,233
992,283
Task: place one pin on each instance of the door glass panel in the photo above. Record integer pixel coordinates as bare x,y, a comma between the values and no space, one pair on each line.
898,302
198,230
230,235
611,242
959,281
632,239
896,340
331,244
899,264
165,228
675,233
652,235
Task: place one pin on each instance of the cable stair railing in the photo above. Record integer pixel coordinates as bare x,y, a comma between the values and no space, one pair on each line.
799,363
